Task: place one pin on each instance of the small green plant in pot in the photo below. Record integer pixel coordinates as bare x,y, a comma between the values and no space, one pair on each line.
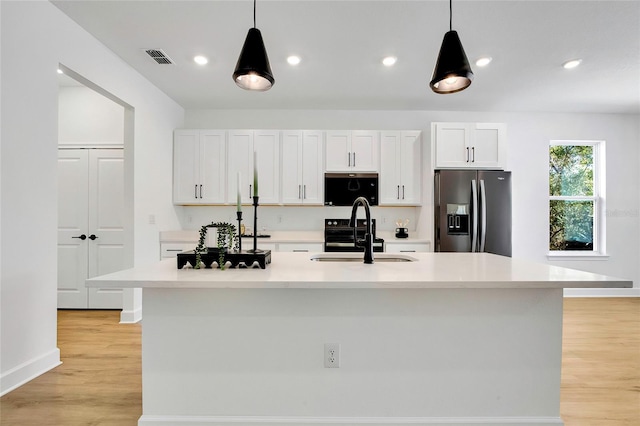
226,240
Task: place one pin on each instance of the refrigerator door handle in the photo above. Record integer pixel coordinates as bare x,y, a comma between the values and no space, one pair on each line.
483,214
474,208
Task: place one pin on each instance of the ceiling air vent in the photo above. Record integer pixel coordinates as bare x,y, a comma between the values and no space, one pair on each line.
159,56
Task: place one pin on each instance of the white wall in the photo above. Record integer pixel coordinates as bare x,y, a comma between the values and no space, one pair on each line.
528,137
29,137
86,117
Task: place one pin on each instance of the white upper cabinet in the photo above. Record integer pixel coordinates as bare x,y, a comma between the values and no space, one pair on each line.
302,173
470,145
352,151
400,159
199,166
242,144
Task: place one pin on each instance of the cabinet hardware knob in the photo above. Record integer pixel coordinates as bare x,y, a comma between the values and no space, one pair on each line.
92,237
82,237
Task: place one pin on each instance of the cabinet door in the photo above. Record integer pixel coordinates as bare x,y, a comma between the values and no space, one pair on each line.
185,167
301,247
390,166
292,164
213,166
312,170
393,247
240,159
452,145
488,149
410,168
338,151
266,144
365,146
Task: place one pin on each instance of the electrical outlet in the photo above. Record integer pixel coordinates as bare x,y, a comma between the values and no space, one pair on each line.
331,355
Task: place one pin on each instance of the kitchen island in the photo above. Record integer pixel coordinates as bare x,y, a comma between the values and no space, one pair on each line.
447,339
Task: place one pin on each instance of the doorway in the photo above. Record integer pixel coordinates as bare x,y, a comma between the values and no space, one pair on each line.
95,207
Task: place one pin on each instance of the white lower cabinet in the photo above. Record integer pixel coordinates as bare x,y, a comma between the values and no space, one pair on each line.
301,247
169,250
407,247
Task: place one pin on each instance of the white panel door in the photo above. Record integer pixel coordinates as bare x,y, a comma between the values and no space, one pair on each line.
292,167
213,166
312,170
410,168
365,146
90,225
73,225
240,159
266,144
390,165
106,219
452,145
338,152
186,172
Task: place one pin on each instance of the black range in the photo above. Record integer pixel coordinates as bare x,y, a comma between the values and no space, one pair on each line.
339,237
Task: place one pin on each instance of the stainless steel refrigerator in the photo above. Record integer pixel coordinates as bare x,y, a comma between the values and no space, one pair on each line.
473,211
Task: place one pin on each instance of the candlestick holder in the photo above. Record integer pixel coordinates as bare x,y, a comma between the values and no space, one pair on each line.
255,226
239,216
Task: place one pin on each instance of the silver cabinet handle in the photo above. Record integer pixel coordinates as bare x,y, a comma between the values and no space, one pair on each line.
82,237
250,191
398,192
195,191
200,191
473,154
304,192
467,154
300,251
349,159
403,192
354,159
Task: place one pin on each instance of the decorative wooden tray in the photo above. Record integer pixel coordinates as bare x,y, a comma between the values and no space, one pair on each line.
242,259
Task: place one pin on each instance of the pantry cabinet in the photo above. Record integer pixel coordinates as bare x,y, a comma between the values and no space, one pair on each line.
470,145
352,151
199,166
242,144
400,161
302,172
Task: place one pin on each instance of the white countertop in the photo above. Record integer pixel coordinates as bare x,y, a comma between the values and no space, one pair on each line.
430,270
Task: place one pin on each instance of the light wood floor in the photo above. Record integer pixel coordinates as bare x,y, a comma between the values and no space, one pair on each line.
99,382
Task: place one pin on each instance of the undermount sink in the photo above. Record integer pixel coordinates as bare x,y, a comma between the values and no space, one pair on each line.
357,257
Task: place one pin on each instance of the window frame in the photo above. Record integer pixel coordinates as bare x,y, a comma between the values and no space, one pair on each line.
598,198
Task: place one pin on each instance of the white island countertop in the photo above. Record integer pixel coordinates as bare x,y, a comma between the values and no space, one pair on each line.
428,270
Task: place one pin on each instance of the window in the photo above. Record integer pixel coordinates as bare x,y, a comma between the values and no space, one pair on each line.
576,197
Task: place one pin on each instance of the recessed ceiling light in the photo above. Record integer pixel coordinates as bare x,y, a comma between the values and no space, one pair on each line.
60,71
572,63
484,61
200,60
389,61
293,60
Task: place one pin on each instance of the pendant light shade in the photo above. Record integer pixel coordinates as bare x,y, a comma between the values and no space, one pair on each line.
452,72
253,71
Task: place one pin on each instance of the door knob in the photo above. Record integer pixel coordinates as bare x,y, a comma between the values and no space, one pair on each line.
92,237
82,237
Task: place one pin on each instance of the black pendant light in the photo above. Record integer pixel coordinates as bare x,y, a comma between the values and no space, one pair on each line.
253,71
452,72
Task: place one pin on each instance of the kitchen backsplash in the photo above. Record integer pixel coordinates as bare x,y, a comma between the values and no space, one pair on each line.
278,218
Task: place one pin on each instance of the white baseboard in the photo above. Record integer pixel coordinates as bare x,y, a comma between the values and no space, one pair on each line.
28,371
149,420
602,292
131,317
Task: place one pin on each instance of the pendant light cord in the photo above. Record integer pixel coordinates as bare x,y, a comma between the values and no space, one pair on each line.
450,15
254,13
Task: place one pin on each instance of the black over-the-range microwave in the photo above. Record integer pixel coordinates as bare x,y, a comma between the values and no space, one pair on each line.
341,189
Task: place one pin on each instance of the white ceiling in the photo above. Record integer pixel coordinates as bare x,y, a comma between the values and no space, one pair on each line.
342,44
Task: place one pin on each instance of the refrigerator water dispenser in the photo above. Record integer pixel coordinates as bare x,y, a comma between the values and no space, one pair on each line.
458,219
